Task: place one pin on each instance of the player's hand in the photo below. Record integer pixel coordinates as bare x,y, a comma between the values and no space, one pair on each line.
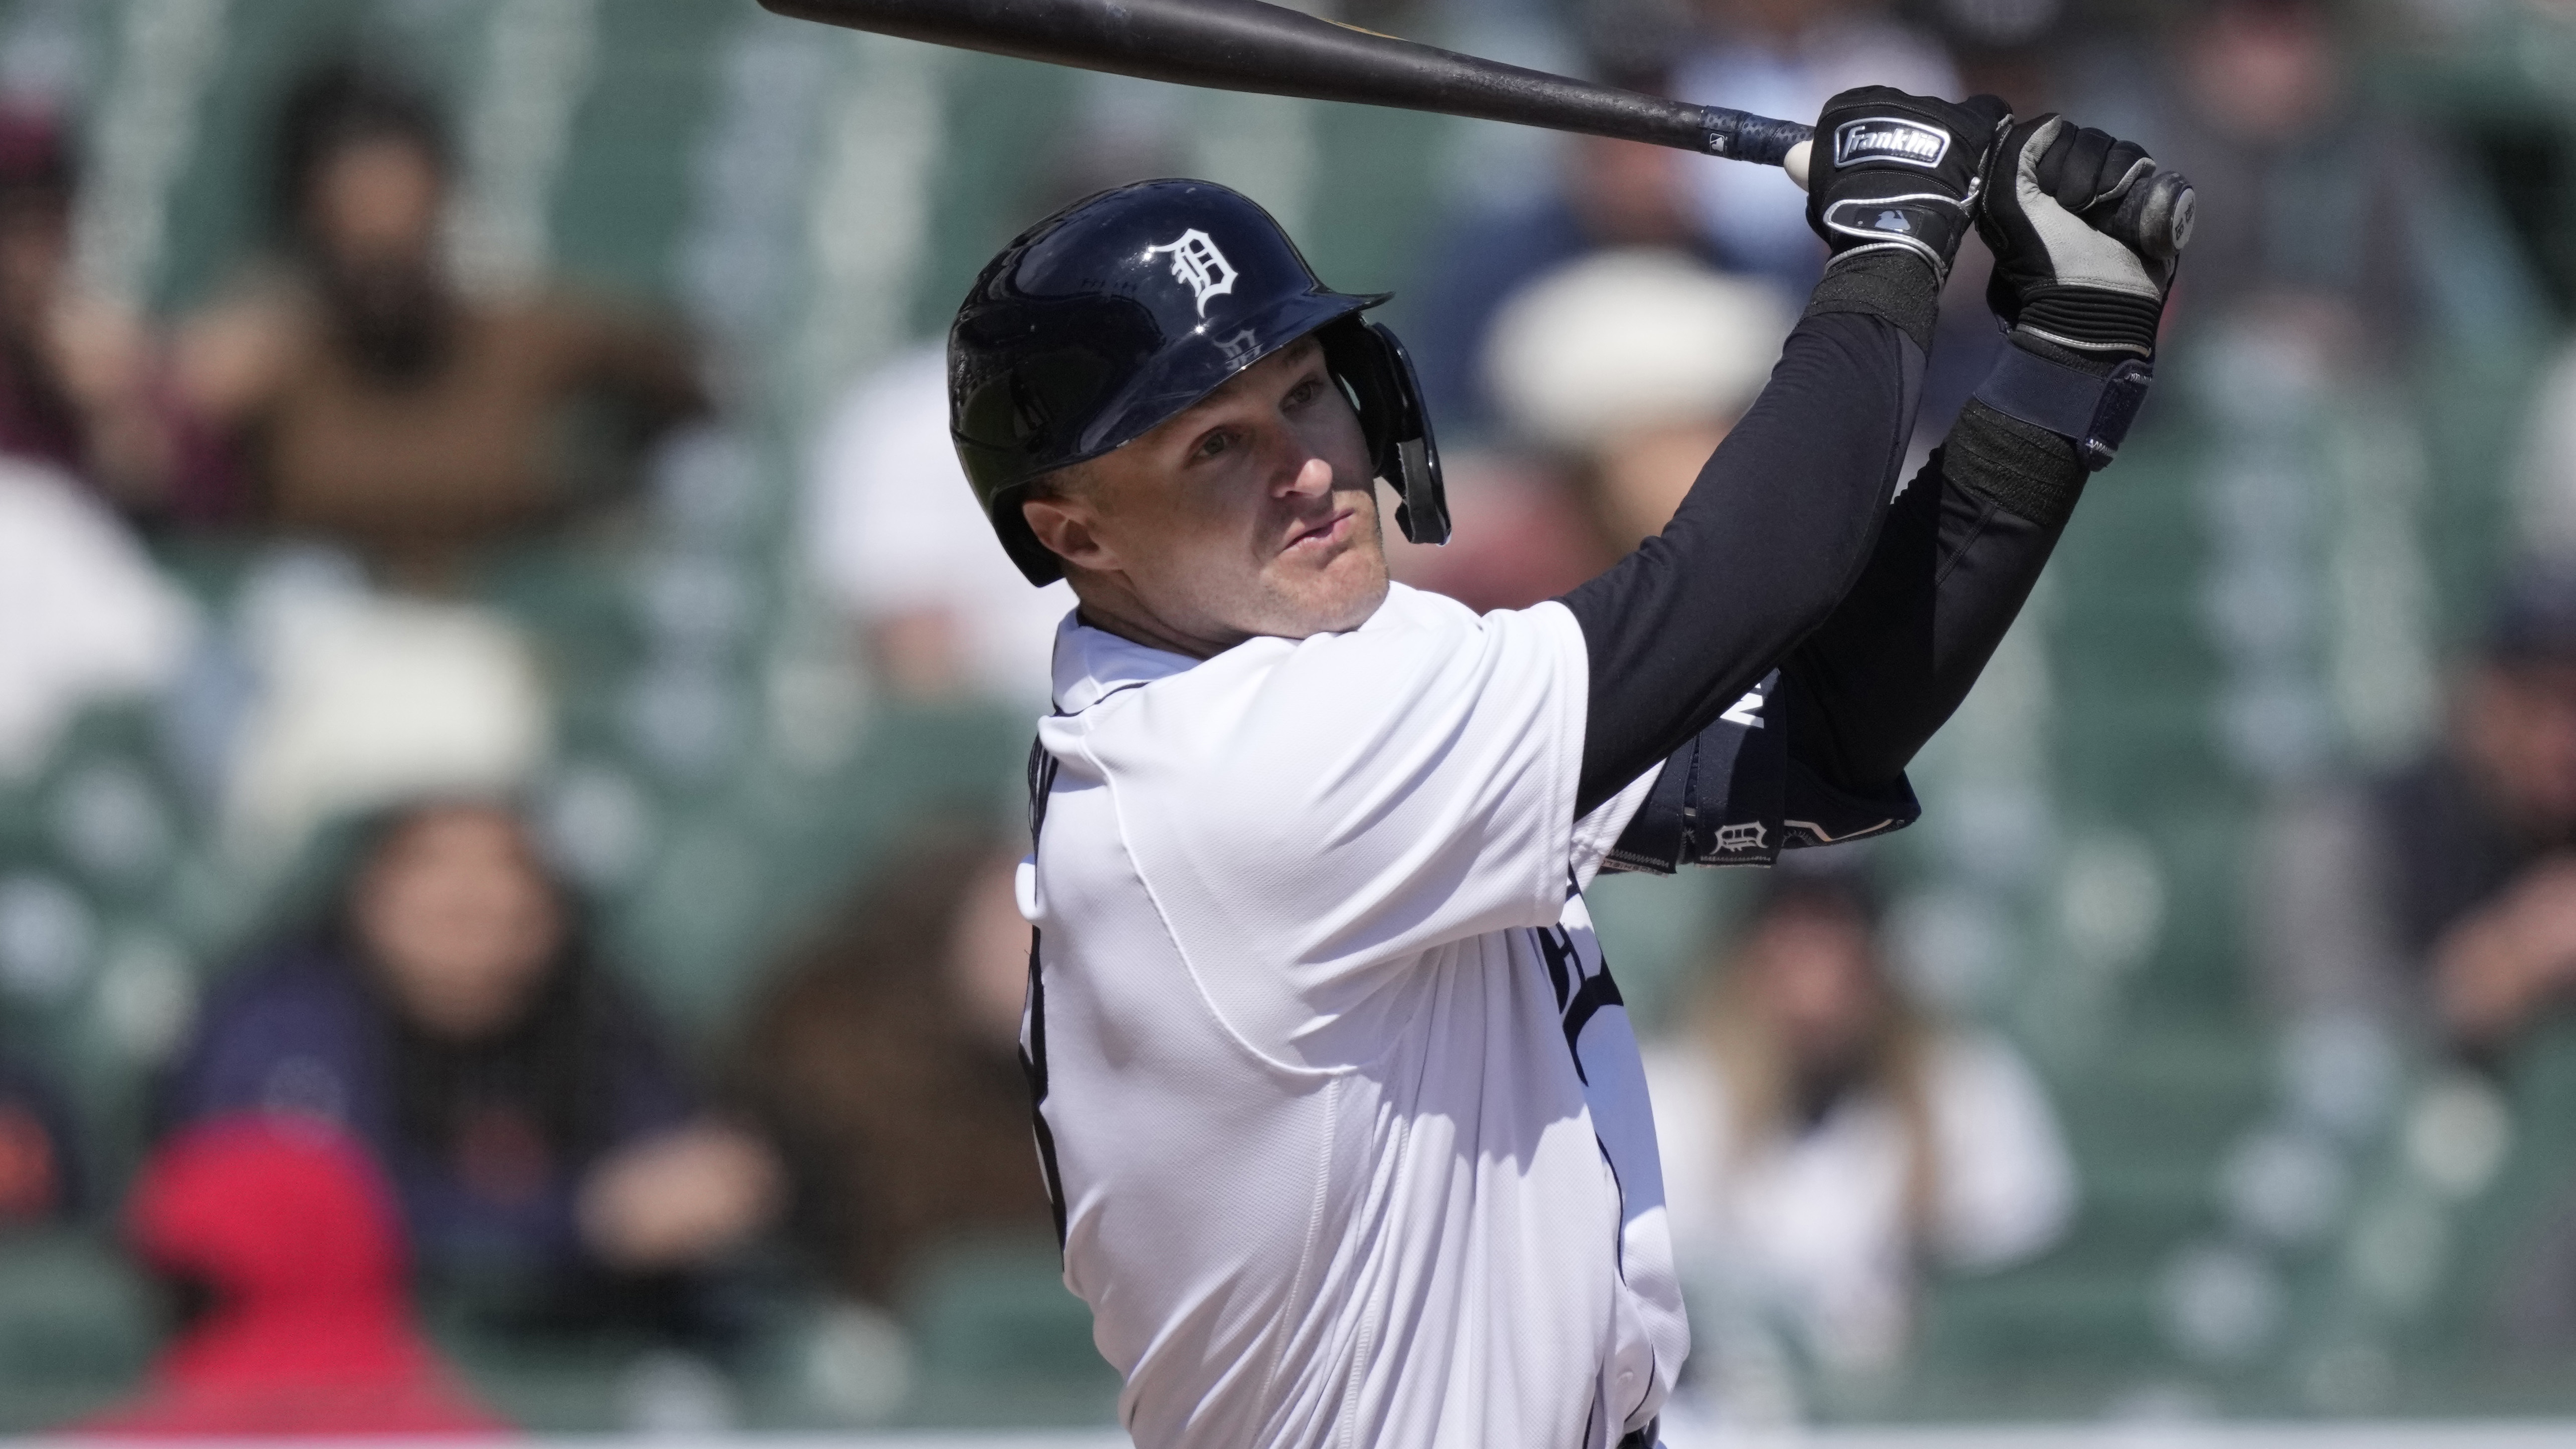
2057,279
1894,171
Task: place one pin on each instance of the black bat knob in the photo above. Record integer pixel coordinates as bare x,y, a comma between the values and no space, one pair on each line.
2155,217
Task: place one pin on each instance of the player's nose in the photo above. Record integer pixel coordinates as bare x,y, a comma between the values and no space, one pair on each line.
1308,477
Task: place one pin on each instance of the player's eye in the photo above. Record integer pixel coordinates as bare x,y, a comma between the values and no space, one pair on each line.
1211,445
1304,393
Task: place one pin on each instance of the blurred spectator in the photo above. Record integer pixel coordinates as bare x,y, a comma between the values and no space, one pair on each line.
2268,115
1632,366
2545,464
886,1060
1521,534
2545,468
1608,194
371,402
2443,896
40,1165
282,1247
1825,1142
900,544
365,699
2257,101
82,386
84,615
1787,58
1616,374
534,1124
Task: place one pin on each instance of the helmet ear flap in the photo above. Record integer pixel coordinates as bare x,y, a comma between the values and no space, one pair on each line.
1374,367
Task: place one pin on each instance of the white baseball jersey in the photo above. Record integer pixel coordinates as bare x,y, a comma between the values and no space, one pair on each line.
1345,1120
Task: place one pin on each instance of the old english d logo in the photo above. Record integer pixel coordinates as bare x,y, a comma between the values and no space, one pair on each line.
1888,138
1196,260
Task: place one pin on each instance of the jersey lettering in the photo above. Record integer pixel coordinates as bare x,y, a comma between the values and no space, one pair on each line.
1582,987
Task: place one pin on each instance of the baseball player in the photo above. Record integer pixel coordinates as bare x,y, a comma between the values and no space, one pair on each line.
1342,1118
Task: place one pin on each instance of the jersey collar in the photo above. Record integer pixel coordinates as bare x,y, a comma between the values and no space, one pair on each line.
1093,664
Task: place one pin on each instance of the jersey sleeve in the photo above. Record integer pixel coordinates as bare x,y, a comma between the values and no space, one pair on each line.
1342,802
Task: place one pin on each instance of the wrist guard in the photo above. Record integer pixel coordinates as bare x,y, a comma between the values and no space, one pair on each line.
2088,407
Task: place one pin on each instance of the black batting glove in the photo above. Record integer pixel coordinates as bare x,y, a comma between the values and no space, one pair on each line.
1894,172
2057,281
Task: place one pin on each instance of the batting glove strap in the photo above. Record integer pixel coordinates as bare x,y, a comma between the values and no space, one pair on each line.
2091,409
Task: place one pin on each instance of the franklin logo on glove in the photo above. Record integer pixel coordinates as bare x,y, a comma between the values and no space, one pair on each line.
1902,174
1885,138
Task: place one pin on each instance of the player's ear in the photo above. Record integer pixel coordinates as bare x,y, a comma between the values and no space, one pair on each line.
1066,526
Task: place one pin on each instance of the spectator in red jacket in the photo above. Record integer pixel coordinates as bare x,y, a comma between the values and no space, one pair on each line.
283,1238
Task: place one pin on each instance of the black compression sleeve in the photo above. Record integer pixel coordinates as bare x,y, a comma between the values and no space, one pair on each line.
1958,556
1772,534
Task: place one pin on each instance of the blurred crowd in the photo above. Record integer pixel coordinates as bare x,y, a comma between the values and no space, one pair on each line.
424,1094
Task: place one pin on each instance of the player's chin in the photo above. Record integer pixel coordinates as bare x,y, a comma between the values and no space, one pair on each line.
1332,595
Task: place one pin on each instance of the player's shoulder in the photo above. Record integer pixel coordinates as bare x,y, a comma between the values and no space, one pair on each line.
1415,624
1409,608
1418,648
1419,654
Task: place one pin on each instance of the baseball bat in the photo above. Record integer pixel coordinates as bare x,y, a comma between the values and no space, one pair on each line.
1244,45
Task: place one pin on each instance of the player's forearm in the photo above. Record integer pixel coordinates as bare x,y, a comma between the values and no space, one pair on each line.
1774,531
1959,555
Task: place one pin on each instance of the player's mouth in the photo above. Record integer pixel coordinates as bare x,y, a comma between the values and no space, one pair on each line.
1324,534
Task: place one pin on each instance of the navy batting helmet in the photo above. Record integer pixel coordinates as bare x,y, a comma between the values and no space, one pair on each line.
1119,312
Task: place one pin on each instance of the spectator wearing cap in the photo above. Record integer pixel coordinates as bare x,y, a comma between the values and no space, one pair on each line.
2441,898
1615,376
1604,195
897,541
1632,366
371,401
1826,1142
281,1244
538,1132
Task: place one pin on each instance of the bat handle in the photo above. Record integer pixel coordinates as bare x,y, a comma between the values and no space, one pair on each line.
2153,218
